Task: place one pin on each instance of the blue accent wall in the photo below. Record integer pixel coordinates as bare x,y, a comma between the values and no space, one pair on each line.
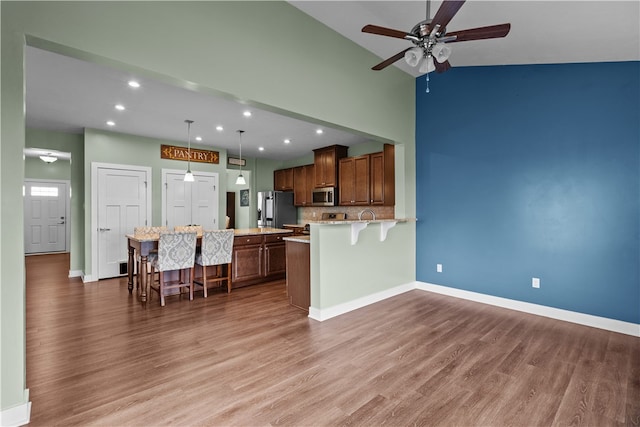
532,171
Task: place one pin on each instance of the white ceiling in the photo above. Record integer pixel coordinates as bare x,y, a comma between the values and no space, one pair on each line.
68,94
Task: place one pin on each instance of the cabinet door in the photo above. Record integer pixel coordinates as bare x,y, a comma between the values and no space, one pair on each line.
346,190
283,179
361,180
275,259
310,172
377,179
300,186
247,262
320,161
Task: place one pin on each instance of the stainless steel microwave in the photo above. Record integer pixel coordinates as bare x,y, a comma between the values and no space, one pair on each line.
325,196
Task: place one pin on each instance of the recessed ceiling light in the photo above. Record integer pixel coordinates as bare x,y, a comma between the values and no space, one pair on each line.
111,123
219,128
120,107
319,131
134,83
260,148
198,138
287,141
247,114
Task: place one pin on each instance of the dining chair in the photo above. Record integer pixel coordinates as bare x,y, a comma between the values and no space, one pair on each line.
176,252
215,251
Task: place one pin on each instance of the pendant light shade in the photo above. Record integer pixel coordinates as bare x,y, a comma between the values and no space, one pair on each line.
240,180
188,176
427,65
413,56
441,52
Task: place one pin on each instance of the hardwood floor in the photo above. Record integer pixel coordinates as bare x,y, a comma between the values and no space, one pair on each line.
96,357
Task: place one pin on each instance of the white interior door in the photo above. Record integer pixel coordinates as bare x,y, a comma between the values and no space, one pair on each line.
122,205
190,202
45,216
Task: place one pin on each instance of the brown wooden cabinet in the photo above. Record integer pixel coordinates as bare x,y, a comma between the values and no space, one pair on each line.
299,274
283,179
368,179
303,184
258,258
326,165
383,177
354,181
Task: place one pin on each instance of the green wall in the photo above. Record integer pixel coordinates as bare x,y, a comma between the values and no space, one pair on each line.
306,71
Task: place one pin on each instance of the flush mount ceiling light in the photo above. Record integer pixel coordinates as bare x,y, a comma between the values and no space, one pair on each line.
240,180
219,128
319,131
247,114
287,141
198,138
111,123
134,84
188,176
48,158
119,107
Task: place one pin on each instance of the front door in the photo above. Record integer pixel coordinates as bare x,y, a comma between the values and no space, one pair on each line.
122,205
45,216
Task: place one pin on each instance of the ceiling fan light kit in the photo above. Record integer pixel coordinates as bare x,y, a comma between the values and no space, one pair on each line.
430,38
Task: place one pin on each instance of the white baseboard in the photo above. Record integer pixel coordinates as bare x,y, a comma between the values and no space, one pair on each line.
16,416
75,273
336,310
539,310
613,325
88,278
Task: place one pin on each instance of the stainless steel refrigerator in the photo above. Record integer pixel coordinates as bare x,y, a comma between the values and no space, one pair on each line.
276,208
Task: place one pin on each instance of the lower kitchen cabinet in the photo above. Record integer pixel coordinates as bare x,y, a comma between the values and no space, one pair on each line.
299,274
257,259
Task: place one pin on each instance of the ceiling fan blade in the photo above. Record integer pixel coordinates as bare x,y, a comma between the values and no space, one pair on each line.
390,61
383,31
490,32
447,11
442,67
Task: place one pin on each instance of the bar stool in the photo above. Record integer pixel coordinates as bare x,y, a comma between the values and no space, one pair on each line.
176,252
216,250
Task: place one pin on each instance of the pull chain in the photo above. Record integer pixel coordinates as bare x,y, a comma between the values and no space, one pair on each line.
427,83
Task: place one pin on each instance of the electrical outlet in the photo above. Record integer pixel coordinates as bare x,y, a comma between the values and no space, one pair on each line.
535,282
439,268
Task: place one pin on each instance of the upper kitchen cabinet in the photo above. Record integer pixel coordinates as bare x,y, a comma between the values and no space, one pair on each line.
326,165
368,179
283,179
354,180
382,177
303,185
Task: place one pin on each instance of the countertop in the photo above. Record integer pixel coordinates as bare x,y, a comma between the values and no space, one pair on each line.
299,239
354,221
260,231
294,225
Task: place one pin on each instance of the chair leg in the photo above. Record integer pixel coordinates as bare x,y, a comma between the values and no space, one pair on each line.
204,280
191,271
161,288
229,278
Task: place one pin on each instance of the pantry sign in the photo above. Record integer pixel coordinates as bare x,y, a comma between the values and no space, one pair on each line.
181,153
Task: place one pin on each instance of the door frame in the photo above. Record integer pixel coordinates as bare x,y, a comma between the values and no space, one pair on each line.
93,226
181,172
67,183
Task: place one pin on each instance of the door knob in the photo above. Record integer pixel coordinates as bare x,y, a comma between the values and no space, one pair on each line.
104,229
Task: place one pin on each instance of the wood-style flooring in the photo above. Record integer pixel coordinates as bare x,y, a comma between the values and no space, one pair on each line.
96,357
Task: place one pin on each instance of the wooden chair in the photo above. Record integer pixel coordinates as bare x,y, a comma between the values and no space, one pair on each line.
176,252
216,250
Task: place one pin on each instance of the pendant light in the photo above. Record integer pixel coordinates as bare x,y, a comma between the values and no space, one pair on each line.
240,180
48,158
188,177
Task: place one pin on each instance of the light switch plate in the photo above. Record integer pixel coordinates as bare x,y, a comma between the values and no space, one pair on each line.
439,268
535,282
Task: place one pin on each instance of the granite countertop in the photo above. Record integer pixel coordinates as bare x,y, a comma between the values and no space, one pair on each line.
294,225
260,231
299,239
353,221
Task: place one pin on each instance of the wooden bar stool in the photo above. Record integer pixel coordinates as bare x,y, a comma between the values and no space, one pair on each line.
216,250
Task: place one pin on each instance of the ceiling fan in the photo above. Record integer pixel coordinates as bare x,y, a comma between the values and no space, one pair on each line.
430,38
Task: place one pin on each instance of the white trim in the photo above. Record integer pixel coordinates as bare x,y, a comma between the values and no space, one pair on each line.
336,310
16,416
95,166
89,279
75,273
539,310
605,323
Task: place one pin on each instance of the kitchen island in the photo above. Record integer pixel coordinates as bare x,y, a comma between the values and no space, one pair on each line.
259,255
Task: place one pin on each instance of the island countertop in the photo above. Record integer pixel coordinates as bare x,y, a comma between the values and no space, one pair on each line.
256,231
